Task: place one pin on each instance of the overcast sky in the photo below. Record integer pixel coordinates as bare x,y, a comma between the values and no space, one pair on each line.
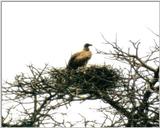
49,32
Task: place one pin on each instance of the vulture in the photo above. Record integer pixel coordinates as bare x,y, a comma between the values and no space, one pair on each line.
80,59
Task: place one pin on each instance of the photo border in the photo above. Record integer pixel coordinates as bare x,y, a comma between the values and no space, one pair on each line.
1,1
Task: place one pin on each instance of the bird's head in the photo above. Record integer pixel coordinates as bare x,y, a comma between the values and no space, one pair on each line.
87,45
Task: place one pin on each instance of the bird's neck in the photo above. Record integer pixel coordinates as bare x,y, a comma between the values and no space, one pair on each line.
86,49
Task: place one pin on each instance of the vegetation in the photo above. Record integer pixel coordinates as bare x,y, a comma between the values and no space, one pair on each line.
131,93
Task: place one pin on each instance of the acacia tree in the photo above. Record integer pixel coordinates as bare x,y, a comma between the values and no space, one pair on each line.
139,97
131,93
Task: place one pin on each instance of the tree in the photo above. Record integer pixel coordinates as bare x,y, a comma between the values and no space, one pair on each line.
131,93
140,94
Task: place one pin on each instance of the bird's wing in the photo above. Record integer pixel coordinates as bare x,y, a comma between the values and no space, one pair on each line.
75,55
73,58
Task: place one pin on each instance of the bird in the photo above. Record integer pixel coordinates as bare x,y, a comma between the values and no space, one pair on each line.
81,58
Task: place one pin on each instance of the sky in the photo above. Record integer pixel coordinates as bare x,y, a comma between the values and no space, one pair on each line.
42,33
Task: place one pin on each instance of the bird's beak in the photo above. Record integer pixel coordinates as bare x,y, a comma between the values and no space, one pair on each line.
90,45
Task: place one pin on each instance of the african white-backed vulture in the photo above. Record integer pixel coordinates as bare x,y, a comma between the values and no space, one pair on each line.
80,59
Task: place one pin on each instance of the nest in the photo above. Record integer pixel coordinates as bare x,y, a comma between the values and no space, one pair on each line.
87,78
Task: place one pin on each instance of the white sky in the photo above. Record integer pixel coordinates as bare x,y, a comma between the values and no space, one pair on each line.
49,32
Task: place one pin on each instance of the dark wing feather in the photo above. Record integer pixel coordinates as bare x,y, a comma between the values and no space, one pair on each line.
71,63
